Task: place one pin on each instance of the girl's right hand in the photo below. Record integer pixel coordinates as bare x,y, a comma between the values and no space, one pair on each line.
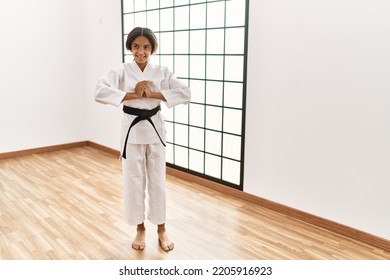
140,88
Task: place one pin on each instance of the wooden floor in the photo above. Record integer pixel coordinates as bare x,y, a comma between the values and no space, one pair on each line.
68,205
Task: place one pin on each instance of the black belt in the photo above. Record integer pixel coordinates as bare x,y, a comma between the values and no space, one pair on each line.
141,115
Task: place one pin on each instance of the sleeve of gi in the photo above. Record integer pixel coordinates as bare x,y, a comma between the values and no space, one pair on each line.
108,88
177,93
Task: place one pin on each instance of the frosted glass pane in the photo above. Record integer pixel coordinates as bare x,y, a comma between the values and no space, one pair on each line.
197,115
235,13
196,138
169,131
231,171
197,45
215,40
198,16
166,19
214,118
181,114
213,142
128,6
181,2
234,67
128,24
140,19
181,156
153,4
233,95
181,134
181,17
181,42
197,65
166,43
216,14
153,20
235,38
166,3
197,91
214,93
169,153
213,166
232,146
181,66
232,120
167,61
196,161
140,5
215,67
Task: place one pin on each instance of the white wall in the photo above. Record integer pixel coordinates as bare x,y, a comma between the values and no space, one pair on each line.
41,74
103,50
318,109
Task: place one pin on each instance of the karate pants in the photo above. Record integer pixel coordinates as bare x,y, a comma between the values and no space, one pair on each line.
144,183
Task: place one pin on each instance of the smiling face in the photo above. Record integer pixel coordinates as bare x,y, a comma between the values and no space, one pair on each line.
141,49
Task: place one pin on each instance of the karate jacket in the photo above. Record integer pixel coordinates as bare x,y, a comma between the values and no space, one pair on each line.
113,86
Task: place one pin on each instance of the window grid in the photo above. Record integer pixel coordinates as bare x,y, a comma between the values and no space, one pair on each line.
209,67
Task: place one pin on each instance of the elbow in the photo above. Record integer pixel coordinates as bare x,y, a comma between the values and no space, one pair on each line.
99,99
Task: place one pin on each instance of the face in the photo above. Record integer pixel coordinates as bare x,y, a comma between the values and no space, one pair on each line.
141,50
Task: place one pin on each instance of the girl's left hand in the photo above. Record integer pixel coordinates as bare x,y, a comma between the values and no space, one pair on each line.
147,92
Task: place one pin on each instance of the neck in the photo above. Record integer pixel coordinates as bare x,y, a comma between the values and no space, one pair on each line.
142,65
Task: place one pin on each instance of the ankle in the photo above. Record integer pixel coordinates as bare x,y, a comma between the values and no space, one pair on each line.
141,227
161,228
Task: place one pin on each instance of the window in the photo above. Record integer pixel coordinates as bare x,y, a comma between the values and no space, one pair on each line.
204,44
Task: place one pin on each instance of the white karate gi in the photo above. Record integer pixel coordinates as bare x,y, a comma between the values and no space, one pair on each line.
144,167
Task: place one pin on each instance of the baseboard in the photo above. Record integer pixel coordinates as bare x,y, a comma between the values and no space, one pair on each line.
332,226
43,149
104,148
58,147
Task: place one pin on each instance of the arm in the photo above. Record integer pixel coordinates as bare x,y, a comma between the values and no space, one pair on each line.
176,93
108,92
107,89
140,91
155,95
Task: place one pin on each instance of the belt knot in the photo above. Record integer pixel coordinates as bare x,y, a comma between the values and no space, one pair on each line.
142,114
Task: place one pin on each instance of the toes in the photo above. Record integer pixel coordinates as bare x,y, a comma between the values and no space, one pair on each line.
167,246
138,246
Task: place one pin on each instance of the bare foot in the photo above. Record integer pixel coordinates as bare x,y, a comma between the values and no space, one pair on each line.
139,240
165,243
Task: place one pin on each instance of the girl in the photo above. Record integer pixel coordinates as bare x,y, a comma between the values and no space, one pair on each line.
141,87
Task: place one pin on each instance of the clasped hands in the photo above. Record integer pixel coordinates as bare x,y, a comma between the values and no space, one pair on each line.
142,89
